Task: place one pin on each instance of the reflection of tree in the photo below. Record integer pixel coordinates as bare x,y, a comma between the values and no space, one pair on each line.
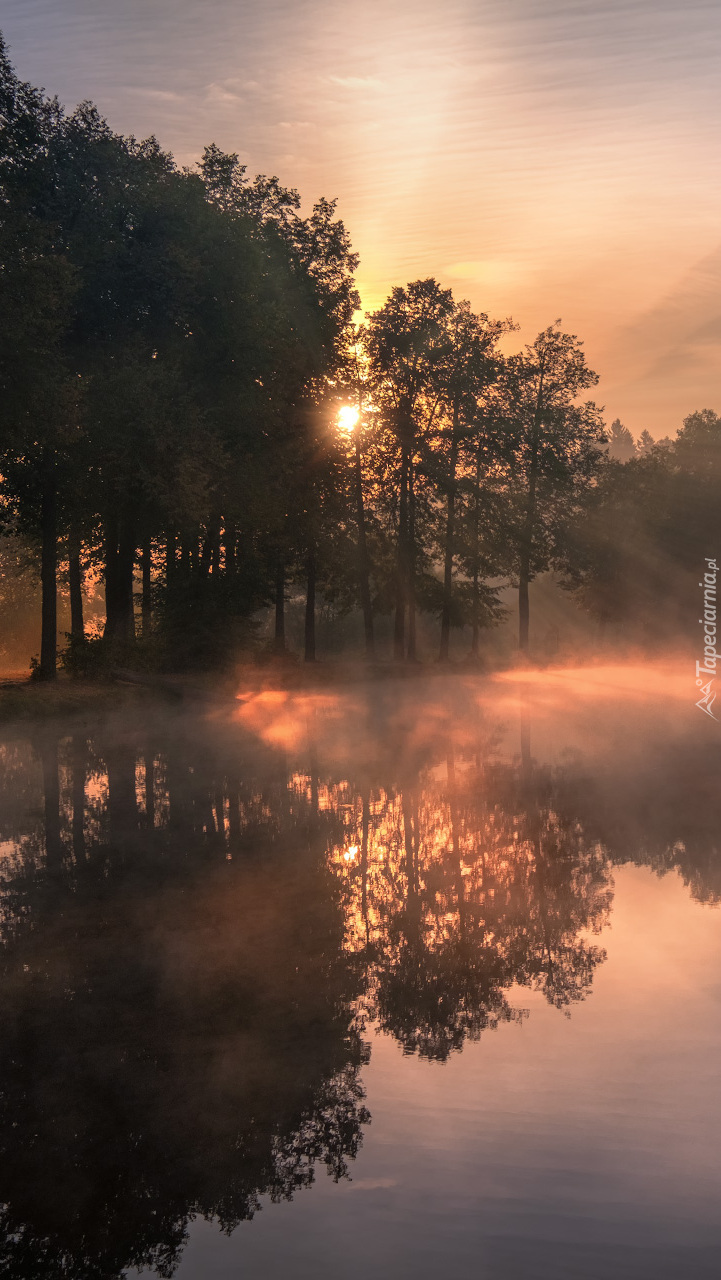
437,979
664,813
177,1024
563,886
466,886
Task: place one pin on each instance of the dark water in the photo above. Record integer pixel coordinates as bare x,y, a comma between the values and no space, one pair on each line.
412,979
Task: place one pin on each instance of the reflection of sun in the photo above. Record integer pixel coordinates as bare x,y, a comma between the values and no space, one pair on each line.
348,418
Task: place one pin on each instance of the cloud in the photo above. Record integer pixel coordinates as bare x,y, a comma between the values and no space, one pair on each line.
356,82
221,93
489,271
157,95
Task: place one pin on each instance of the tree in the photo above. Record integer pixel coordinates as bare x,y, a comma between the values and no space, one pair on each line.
621,443
36,391
483,549
405,342
352,424
633,558
313,279
470,367
552,448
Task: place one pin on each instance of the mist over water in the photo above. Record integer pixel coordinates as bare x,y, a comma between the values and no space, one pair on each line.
451,941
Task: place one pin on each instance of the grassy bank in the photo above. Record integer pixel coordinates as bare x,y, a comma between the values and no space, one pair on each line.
64,697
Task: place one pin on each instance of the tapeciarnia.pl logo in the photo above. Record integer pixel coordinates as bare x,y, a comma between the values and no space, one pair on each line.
710,656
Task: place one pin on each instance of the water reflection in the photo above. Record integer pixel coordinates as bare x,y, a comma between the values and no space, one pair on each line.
179,1033
202,919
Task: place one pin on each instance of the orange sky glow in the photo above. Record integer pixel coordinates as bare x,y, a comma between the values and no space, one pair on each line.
554,159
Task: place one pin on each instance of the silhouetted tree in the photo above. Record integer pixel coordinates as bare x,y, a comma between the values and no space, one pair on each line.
470,368
621,443
405,342
551,448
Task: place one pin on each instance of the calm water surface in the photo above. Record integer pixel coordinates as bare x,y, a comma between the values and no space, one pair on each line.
416,977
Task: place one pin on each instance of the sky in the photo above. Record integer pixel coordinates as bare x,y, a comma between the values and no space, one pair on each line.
544,158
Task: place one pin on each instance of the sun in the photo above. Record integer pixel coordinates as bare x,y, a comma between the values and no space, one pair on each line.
348,418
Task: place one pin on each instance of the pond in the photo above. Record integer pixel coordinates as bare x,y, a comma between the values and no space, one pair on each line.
398,978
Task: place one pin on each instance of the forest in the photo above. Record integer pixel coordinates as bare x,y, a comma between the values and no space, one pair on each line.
196,428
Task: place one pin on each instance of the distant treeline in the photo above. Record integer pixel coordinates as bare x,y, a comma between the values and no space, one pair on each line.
189,414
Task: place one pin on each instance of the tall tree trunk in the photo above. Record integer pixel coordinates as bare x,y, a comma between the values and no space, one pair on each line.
146,603
203,815
149,772
411,564
280,606
215,549
526,557
450,537
75,583
210,548
476,622
363,561
310,607
234,824
523,607
170,561
229,540
206,554
127,548
49,570
219,807
524,576
110,553
120,550
185,557
401,561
